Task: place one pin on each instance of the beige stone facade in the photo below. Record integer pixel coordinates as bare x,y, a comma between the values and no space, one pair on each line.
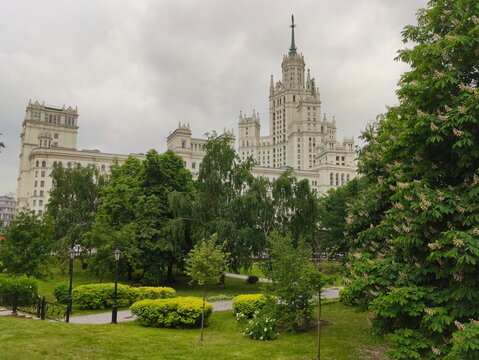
49,136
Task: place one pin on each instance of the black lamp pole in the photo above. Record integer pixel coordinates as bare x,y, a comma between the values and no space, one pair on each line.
69,304
114,308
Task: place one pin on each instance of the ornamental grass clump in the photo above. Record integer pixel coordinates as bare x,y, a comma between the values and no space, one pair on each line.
180,312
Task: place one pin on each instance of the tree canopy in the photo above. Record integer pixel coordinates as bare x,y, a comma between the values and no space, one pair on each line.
414,228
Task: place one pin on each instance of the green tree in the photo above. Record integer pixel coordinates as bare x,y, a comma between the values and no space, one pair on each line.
26,249
414,228
205,264
294,282
73,203
138,213
332,217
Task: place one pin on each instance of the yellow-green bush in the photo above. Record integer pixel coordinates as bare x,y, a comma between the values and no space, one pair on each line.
177,312
154,292
249,303
98,296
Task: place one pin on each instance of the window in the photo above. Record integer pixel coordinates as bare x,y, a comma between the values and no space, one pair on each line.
40,202
36,173
183,144
40,212
37,164
55,136
44,163
34,203
103,167
41,192
34,193
337,179
42,183
193,165
36,183
331,179
43,173
69,165
55,144
347,177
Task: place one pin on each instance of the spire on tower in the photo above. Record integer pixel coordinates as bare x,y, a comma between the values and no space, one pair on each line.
292,48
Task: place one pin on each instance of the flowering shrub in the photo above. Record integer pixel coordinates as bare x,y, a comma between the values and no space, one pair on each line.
260,327
175,313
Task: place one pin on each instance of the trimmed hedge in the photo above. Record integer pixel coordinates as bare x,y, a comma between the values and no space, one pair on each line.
178,312
99,296
153,292
248,304
25,288
61,293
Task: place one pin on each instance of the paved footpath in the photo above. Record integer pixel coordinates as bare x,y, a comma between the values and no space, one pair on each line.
225,305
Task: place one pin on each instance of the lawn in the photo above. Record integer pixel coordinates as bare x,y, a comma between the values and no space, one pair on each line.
346,338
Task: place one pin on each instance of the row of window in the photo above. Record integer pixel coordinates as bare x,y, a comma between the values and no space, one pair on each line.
344,179
69,166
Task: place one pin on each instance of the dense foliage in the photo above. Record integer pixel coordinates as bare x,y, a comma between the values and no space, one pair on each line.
178,312
73,203
139,206
414,229
27,245
61,292
154,292
100,296
248,304
21,289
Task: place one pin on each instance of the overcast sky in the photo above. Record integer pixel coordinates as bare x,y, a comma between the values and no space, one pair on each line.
137,68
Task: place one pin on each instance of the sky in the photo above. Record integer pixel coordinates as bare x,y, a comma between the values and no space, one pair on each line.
135,69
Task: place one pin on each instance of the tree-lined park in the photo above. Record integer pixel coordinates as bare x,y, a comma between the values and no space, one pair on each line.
402,239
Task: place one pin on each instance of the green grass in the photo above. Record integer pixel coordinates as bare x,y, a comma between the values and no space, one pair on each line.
345,339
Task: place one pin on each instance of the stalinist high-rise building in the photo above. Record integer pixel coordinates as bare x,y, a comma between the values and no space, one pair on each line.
300,137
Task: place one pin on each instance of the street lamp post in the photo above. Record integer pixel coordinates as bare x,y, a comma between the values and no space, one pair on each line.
69,303
114,308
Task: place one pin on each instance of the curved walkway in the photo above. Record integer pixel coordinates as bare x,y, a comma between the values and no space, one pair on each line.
224,305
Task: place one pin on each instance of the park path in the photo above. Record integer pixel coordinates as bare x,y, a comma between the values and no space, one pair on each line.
224,305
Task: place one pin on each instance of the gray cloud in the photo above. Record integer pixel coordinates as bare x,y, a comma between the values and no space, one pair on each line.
135,69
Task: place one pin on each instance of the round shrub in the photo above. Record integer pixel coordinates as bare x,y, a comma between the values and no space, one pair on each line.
61,293
180,312
98,296
25,289
248,304
154,292
252,279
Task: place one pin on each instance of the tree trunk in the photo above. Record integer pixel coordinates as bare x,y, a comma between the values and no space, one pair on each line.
318,356
129,271
222,281
203,312
169,274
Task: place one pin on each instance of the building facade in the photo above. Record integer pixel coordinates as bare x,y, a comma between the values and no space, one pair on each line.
7,209
49,137
299,137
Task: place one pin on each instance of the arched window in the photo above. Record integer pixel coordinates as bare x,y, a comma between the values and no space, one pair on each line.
54,163
44,163
103,167
193,165
69,165
60,163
